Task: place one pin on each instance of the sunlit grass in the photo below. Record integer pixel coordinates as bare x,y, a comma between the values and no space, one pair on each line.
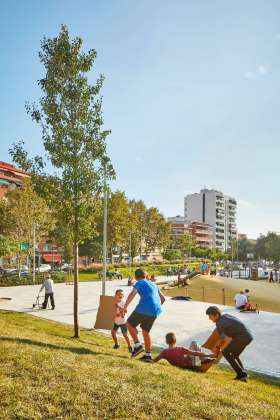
46,374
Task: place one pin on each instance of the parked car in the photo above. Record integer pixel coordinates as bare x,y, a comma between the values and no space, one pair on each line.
44,268
10,271
65,266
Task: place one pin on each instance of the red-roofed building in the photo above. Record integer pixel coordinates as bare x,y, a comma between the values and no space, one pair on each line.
10,177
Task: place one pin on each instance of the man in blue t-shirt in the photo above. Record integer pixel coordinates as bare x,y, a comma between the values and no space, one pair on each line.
145,313
229,326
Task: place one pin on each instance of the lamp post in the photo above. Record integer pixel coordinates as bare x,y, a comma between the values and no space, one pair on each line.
104,235
130,252
34,253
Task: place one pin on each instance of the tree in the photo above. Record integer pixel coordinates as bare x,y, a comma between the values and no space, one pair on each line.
246,246
272,247
22,211
118,222
137,211
185,243
8,247
70,116
260,248
172,254
156,230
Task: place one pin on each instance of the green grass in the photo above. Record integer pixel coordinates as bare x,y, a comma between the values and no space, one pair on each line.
46,374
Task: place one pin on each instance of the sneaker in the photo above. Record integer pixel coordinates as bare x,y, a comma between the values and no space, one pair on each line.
130,349
116,346
137,350
146,358
242,377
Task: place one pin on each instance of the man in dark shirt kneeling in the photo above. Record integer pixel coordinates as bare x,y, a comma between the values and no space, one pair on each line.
229,326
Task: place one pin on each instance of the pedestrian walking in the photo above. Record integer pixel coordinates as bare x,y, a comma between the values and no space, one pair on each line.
48,285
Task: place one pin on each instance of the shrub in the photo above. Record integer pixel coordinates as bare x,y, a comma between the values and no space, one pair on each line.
7,281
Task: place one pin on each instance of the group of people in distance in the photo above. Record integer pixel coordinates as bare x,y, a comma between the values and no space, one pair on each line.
234,336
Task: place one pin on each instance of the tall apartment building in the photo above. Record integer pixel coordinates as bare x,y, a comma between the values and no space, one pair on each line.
216,209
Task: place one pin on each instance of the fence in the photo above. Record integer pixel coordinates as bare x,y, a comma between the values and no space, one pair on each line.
210,294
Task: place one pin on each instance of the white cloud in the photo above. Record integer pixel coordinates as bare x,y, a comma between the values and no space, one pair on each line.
250,75
263,68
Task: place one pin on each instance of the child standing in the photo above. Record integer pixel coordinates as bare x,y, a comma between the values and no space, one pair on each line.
145,313
120,321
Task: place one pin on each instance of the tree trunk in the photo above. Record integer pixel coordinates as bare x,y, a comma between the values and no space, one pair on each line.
76,294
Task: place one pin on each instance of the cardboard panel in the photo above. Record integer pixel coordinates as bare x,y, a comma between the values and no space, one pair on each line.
106,313
212,341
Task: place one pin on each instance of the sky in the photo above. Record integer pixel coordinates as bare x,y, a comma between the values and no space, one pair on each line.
191,94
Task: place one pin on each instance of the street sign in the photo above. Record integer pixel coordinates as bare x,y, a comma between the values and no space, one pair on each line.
24,246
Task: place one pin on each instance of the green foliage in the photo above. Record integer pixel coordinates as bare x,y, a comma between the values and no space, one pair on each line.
272,247
156,230
6,281
266,247
172,254
8,247
70,116
184,243
23,209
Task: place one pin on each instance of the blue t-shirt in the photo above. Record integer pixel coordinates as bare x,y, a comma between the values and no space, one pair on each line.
149,304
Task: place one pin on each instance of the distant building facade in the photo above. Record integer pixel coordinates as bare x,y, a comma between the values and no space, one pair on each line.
215,209
201,232
10,177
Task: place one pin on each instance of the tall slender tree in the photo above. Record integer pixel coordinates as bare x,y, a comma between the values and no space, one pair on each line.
70,115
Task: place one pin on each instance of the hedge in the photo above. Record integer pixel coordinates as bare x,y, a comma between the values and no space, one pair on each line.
7,281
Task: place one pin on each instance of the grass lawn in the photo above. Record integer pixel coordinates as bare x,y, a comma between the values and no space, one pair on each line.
266,295
45,374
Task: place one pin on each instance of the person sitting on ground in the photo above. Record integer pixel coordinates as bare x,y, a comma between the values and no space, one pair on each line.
235,337
120,321
180,356
145,313
240,300
48,285
247,294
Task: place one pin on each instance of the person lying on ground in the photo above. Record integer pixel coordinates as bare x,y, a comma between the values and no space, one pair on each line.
229,327
240,300
145,313
181,356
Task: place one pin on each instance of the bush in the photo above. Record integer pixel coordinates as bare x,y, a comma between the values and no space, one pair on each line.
7,281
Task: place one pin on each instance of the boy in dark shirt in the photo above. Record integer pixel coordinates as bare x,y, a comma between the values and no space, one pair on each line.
178,356
229,326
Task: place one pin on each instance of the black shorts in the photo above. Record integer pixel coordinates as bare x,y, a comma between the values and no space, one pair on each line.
123,328
146,322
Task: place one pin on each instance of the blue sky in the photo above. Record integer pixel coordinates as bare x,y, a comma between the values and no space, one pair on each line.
191,94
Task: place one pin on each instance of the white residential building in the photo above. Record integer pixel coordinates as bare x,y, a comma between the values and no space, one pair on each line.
216,209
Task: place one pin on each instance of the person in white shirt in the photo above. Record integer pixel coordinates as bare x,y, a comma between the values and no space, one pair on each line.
240,300
120,321
48,285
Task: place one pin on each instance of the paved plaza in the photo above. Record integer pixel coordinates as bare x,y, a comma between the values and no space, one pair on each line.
186,319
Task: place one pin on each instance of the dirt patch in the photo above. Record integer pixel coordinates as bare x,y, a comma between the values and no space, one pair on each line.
210,289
